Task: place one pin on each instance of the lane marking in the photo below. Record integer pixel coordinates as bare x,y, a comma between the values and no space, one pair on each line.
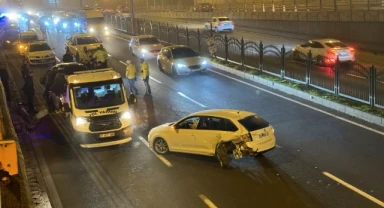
120,38
362,193
192,100
154,79
123,63
361,77
161,157
208,202
300,103
109,55
57,59
278,146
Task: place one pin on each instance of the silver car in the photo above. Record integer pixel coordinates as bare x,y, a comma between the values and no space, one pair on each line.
180,60
145,45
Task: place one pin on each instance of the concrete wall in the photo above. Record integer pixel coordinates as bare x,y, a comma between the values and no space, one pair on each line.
364,28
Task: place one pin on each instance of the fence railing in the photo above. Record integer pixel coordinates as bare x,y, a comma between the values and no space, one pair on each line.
299,5
351,80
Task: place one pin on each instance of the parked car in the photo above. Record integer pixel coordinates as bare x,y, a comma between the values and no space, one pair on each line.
180,60
325,51
39,52
145,45
215,133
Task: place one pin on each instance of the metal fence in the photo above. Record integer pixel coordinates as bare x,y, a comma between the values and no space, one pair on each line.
298,5
351,80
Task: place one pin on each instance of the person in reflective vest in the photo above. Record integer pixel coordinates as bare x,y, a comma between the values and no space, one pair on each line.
130,73
99,57
145,75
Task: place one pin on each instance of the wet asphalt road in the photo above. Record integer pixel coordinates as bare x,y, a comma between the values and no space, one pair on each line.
130,175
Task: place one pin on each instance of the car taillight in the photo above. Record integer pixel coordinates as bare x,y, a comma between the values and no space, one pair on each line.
331,52
352,50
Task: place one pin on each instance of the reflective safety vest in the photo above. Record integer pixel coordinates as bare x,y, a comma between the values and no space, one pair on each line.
145,69
130,71
99,56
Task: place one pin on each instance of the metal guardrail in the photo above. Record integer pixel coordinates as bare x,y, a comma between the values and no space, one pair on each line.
353,80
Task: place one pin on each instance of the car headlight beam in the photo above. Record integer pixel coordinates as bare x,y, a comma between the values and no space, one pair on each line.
204,62
181,65
80,121
144,50
126,115
91,30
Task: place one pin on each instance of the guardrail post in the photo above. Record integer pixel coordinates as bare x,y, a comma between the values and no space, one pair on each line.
282,71
226,47
121,24
261,53
198,40
372,86
337,76
150,22
242,52
187,36
138,26
177,35
308,68
159,29
169,40
335,5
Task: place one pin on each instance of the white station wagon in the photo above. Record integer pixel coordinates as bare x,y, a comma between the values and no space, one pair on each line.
215,133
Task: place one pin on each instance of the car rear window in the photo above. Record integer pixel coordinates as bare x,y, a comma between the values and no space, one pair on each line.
223,19
336,45
253,123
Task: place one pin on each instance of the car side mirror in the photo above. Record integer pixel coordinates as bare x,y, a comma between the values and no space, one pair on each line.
175,127
66,107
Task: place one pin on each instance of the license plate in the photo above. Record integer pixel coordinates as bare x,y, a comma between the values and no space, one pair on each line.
264,134
107,135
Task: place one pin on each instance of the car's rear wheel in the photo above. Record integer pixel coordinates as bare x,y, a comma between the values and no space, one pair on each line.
222,156
173,71
160,146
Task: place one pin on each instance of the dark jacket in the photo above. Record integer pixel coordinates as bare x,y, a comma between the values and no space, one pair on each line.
67,58
28,85
24,70
50,78
59,84
4,75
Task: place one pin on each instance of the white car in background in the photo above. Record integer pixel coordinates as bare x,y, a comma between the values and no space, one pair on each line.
40,52
219,24
325,51
145,45
180,60
215,133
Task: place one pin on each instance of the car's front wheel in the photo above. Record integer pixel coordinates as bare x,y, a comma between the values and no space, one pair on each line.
160,146
160,66
222,156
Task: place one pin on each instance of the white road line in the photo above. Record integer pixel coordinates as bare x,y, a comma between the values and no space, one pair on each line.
208,202
362,193
120,38
360,77
302,104
155,80
57,59
278,146
162,158
192,100
123,63
109,55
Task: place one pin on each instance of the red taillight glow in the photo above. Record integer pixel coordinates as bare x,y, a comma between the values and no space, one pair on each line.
331,52
352,50
233,23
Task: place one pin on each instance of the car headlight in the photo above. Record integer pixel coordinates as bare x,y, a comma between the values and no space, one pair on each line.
144,51
204,62
91,30
80,121
181,65
46,23
8,41
65,25
21,46
77,24
126,115
105,28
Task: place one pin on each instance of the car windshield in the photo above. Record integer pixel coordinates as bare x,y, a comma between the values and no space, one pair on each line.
336,45
86,40
183,53
98,95
39,47
223,19
148,41
26,39
253,123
